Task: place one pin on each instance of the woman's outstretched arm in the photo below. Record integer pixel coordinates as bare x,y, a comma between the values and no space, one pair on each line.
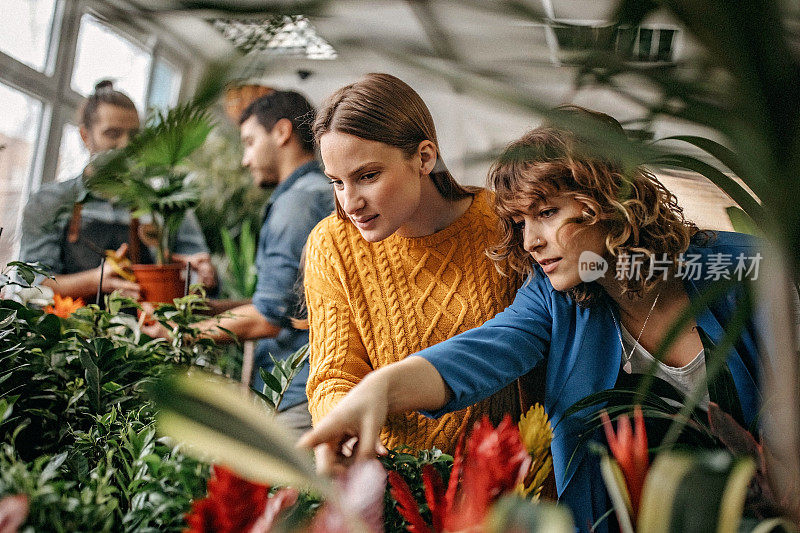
412,384
444,377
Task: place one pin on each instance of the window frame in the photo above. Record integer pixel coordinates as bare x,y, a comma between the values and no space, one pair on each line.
52,85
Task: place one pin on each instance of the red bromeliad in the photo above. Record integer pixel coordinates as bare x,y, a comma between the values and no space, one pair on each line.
629,448
494,462
233,504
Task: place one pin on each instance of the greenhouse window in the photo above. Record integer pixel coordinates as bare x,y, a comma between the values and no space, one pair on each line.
26,30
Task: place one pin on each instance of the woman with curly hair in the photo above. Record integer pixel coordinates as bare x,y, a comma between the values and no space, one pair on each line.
611,264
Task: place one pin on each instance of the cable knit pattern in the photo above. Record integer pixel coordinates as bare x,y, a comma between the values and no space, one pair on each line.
372,304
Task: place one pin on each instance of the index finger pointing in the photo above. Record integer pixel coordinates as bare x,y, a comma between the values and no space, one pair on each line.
321,433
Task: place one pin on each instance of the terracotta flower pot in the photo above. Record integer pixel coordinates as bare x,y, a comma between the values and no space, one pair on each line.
159,283
238,97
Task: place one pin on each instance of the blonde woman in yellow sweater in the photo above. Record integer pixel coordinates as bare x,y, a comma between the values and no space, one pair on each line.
401,264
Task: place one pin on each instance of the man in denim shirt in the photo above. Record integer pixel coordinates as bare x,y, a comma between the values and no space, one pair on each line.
279,150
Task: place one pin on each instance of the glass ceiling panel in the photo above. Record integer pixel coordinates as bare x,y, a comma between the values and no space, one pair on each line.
281,35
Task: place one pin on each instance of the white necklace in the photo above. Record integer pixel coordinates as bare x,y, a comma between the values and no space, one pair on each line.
626,357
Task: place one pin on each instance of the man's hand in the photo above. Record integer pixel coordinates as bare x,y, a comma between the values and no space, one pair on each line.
152,327
113,272
201,264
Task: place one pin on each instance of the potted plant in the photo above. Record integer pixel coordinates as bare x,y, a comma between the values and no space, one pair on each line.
145,175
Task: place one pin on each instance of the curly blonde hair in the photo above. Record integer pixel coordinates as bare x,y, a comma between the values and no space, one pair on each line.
639,214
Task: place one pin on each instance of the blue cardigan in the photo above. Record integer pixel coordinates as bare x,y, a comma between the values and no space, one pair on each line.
581,349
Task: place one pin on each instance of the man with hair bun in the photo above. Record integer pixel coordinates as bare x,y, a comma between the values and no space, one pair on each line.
67,229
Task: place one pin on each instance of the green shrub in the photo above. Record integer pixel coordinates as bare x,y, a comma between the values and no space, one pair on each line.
78,435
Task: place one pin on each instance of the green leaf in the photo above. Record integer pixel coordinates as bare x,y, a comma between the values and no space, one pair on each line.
694,493
513,513
216,419
722,153
266,398
617,491
741,222
49,326
7,407
730,187
247,242
52,467
270,381
8,317
92,376
299,357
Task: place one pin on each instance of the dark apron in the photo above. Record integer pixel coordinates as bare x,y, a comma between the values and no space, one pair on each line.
94,237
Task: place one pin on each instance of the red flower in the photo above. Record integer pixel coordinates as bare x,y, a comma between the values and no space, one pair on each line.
233,504
494,462
630,450
63,306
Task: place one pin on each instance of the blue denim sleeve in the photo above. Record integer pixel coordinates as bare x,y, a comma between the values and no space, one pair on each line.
280,246
483,360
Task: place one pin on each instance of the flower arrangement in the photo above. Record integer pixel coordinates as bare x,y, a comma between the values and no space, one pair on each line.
214,419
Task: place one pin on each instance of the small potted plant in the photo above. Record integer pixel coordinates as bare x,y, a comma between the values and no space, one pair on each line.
145,176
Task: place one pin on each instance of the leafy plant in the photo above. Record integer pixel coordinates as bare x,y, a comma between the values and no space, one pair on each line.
79,437
228,198
145,176
493,462
187,343
221,423
22,274
277,380
262,452
241,271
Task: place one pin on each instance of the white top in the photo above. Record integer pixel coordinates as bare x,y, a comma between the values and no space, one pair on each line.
685,378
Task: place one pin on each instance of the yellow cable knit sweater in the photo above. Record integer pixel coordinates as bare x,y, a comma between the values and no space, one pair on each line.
372,304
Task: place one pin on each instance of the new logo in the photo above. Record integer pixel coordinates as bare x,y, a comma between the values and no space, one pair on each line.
591,266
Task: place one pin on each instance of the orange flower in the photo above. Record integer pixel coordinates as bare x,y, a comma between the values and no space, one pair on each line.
64,306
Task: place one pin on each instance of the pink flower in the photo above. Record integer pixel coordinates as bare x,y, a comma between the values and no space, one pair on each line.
361,491
13,512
